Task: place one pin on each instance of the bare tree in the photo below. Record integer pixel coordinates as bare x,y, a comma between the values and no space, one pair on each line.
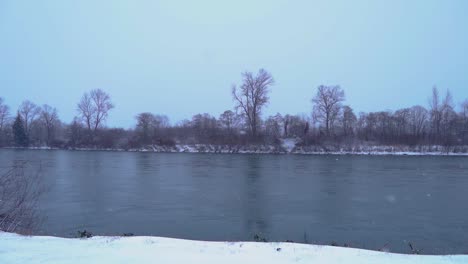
366,125
160,122
273,127
385,126
464,107
76,133
49,119
464,114
4,121
145,127
4,114
327,105
102,104
228,121
448,119
349,120
94,108
440,112
417,119
297,125
29,112
205,127
435,112
19,193
286,121
401,122
86,110
252,96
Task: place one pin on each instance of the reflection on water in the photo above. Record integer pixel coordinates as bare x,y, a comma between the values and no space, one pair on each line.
256,220
363,201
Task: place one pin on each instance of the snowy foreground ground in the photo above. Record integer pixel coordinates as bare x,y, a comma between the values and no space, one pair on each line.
16,249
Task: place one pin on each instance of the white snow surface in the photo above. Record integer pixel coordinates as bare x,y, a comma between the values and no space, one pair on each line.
16,249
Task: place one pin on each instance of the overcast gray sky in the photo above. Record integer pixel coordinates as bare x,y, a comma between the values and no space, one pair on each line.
180,58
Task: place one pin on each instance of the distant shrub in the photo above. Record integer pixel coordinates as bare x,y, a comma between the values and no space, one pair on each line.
259,238
84,234
167,142
413,249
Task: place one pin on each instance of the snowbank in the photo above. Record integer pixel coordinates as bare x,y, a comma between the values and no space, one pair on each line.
290,146
16,249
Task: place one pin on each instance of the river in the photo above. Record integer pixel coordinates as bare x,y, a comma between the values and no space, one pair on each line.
363,201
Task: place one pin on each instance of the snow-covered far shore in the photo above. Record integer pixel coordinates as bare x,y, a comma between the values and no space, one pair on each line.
16,249
288,146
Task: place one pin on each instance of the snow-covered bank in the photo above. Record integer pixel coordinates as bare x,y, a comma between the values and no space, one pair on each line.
16,249
288,146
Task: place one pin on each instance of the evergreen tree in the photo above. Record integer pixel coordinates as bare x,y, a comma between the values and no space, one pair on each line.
19,133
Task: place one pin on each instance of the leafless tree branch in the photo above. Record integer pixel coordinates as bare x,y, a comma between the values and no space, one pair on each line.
19,194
